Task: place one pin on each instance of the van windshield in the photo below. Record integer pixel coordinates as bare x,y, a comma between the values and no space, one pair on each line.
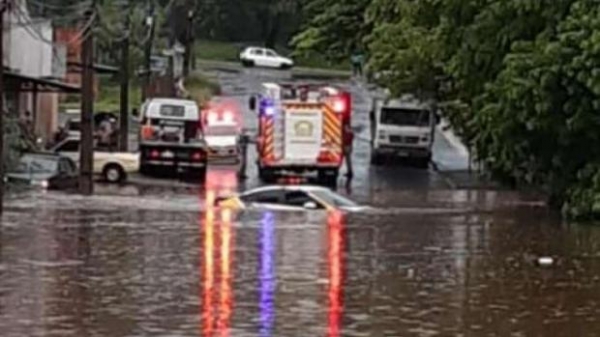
404,117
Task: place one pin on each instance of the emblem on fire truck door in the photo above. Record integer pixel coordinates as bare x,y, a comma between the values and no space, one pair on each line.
303,129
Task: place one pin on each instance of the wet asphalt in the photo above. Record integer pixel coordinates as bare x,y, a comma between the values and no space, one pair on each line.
441,254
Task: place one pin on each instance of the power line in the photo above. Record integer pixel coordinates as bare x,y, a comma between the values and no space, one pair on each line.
80,5
29,26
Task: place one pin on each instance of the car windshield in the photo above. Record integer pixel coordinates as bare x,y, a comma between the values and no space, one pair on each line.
334,199
404,117
221,131
33,164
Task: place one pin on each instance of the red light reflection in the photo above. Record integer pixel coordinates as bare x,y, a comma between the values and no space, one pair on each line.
335,262
218,182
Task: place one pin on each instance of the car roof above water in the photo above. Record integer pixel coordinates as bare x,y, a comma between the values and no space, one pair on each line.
306,188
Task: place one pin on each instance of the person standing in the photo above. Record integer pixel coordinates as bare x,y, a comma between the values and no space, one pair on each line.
348,141
357,60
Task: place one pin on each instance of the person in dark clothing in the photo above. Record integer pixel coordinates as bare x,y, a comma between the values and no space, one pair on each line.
357,60
348,140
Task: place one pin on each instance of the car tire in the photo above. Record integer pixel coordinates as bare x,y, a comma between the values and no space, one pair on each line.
248,63
285,66
114,174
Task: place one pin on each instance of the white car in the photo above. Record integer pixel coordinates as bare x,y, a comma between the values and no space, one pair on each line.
264,57
111,166
290,198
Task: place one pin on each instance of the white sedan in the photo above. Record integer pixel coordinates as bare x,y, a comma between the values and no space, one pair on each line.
290,198
264,57
111,166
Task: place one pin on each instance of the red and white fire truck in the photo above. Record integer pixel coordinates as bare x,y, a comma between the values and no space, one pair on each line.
301,130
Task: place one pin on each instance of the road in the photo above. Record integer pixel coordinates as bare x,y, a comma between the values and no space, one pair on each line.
433,259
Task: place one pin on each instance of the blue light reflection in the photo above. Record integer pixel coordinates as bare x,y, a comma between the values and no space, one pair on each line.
267,274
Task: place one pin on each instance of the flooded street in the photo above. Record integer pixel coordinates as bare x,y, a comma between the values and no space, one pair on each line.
434,257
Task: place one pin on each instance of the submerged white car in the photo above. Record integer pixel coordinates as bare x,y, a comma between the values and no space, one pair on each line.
264,57
290,198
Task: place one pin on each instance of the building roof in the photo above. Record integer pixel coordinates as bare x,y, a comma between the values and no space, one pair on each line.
24,83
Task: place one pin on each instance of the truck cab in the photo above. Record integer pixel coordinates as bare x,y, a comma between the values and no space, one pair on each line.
402,127
171,137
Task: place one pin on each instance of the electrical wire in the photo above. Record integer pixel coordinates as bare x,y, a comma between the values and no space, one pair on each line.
29,26
80,5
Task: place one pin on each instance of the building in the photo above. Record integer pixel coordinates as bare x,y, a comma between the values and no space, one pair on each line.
35,68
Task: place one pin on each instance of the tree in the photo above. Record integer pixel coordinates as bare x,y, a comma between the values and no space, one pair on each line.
332,28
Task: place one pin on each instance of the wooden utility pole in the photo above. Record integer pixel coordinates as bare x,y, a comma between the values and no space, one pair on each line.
148,52
124,116
189,39
86,159
3,8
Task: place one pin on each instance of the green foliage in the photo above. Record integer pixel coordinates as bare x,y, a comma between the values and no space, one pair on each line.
333,28
518,79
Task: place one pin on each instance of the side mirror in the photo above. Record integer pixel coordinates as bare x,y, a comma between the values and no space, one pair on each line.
135,113
252,103
438,119
310,205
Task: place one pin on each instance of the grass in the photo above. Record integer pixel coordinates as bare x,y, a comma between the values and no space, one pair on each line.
201,89
109,94
229,51
108,97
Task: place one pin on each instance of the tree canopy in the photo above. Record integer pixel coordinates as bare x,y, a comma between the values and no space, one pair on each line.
518,79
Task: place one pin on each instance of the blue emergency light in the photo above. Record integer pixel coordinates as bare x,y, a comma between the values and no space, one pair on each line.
267,107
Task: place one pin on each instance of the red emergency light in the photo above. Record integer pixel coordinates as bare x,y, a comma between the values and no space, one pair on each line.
342,104
221,113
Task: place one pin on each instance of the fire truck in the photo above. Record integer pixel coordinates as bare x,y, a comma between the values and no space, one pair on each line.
300,130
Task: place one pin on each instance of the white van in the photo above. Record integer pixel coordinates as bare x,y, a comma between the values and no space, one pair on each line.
402,127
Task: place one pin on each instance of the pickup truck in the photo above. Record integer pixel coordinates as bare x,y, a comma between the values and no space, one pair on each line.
113,167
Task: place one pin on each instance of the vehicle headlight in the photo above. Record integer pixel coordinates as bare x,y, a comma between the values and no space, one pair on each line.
40,183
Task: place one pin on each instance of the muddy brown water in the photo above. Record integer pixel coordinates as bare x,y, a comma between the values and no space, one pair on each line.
429,263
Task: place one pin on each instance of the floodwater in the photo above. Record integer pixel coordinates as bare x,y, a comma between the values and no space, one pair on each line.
438,256
427,263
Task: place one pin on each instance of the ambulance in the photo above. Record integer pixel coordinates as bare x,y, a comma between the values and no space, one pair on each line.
222,130
300,131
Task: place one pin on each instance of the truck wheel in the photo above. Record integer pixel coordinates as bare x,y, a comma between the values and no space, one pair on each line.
113,173
376,159
423,162
146,170
266,176
328,178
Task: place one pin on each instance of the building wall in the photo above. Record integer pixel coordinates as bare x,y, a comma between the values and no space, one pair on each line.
29,50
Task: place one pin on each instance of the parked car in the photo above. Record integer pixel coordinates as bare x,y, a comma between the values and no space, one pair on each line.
290,198
113,167
264,57
45,170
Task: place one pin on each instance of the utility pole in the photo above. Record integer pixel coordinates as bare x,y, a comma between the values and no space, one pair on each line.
189,39
4,6
86,160
148,52
124,118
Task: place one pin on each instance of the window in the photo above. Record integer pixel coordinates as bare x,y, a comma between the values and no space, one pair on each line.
69,146
271,53
66,166
264,197
334,199
298,198
408,117
258,52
